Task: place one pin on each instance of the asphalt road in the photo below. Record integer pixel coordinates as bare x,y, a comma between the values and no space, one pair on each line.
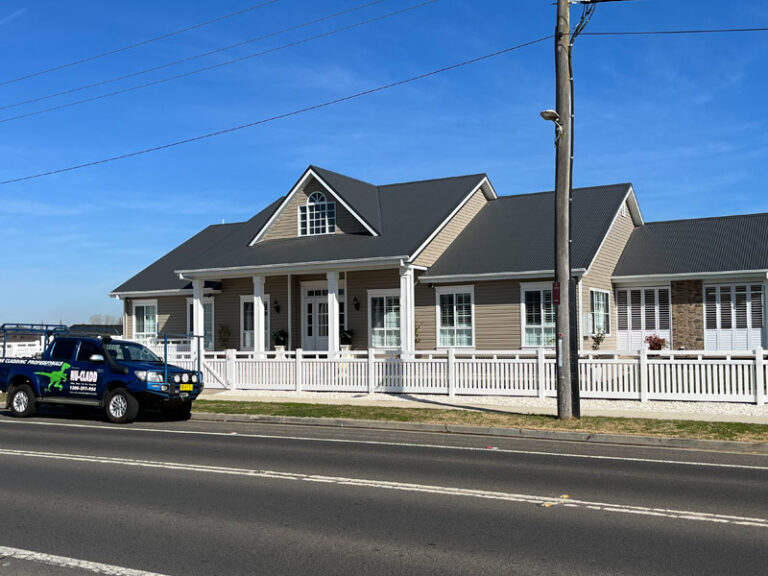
221,498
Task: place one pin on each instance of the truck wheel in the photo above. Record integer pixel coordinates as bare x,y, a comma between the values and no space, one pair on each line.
121,407
22,401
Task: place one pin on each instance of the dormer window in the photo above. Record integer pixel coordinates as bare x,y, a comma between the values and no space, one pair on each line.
317,216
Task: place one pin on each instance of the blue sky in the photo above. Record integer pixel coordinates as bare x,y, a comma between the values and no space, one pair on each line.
678,116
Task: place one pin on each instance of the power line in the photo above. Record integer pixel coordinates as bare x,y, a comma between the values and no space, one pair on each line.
672,32
284,115
195,57
136,45
219,65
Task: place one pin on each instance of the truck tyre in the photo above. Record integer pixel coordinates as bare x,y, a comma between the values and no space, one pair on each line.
120,406
22,401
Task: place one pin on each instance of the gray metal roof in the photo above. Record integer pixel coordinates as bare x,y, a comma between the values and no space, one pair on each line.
722,244
403,214
515,234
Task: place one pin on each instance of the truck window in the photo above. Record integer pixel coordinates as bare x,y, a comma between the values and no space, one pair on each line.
63,349
87,349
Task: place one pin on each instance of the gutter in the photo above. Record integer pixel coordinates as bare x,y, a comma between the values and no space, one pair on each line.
527,275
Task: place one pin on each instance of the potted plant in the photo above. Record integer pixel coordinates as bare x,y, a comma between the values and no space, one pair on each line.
345,337
655,342
280,338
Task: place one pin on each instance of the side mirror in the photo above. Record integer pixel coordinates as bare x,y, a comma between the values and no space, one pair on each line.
96,358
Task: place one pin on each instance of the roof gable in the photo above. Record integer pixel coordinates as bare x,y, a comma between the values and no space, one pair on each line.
515,234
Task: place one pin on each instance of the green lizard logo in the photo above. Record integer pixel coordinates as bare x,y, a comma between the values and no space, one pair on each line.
56,378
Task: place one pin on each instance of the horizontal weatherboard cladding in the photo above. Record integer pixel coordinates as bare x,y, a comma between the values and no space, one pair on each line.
724,244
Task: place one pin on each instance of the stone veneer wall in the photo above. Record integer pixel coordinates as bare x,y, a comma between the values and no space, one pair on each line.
687,315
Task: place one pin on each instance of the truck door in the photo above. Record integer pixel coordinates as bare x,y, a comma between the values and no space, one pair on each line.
54,378
87,377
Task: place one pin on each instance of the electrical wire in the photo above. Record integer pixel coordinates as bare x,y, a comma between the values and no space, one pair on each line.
195,57
137,44
284,115
671,32
219,65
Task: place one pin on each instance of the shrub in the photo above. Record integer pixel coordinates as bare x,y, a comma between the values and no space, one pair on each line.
655,342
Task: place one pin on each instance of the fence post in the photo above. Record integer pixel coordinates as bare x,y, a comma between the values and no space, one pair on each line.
229,369
371,372
540,374
643,369
297,369
451,372
759,377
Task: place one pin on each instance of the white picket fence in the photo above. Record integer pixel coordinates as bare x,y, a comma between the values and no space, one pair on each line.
643,375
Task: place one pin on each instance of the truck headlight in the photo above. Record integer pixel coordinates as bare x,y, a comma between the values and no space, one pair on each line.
145,376
194,378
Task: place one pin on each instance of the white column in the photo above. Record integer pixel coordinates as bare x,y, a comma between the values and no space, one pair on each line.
407,311
333,311
258,317
198,324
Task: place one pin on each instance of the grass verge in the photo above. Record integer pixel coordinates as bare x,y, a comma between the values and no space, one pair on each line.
734,431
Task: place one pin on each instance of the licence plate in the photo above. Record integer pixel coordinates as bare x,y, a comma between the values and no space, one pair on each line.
185,387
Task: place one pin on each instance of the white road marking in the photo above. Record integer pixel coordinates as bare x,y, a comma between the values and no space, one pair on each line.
403,486
398,444
64,562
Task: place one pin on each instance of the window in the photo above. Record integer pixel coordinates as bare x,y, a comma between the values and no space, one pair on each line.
538,315
384,318
600,307
246,322
733,316
145,319
208,341
87,349
63,349
454,316
318,216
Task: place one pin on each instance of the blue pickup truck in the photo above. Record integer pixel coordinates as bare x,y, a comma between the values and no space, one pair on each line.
116,375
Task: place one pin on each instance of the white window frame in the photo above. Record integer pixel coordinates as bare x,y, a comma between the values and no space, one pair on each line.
731,286
146,335
388,293
305,213
607,311
533,287
442,290
267,300
205,300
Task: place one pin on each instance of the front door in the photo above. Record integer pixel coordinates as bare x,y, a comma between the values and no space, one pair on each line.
315,320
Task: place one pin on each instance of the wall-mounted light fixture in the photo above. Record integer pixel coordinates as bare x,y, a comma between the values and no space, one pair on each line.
276,306
356,303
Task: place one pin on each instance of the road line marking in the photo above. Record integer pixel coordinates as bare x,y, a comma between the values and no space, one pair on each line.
403,486
65,562
403,445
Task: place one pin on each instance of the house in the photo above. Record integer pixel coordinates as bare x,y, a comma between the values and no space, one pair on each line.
448,263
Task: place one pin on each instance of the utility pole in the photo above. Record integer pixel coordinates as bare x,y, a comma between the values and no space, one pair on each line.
561,290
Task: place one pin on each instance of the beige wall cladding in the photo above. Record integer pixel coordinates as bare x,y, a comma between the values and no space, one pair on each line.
496,321
448,234
426,323
172,315
497,315
287,223
358,284
687,315
599,275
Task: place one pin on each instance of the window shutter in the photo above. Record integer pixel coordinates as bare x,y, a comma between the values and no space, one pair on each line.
710,307
621,305
741,306
726,318
756,300
664,311
650,309
636,305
